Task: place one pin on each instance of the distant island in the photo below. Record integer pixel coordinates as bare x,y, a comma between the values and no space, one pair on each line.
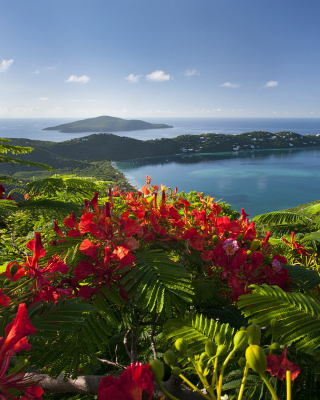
105,124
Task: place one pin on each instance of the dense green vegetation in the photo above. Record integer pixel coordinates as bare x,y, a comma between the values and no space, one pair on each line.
120,278
105,124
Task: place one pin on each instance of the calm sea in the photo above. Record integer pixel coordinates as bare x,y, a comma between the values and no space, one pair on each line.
32,128
260,182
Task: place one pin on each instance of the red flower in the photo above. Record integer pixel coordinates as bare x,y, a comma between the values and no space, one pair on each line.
129,386
4,300
279,365
14,341
21,271
33,393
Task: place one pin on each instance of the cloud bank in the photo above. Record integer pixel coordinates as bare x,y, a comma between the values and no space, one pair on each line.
271,84
158,76
191,72
133,78
79,79
231,85
5,64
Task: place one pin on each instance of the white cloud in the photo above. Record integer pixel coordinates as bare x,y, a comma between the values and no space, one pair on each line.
5,64
216,109
133,78
44,98
78,79
37,72
158,76
191,72
271,84
231,85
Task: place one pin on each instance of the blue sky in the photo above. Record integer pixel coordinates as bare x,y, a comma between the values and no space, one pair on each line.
169,58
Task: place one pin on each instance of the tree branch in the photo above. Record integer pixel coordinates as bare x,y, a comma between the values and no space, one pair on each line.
89,384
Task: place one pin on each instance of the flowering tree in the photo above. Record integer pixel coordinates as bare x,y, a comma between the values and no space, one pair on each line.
121,275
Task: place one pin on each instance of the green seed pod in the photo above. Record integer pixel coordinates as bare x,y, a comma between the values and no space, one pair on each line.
240,340
255,244
181,345
240,237
157,370
267,259
176,371
249,252
243,328
242,362
220,338
169,358
226,234
14,269
215,239
210,348
274,325
248,242
221,350
254,333
275,346
256,358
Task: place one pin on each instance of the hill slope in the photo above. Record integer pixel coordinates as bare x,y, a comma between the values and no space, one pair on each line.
105,124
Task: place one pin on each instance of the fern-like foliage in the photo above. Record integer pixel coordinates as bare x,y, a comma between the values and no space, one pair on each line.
69,334
196,330
278,217
304,279
298,315
158,284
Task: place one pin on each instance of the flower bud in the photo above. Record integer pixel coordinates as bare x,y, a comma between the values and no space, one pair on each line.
256,358
176,371
243,328
240,237
226,234
157,370
221,350
255,244
240,340
220,338
249,252
242,362
169,358
248,242
275,346
210,348
254,333
181,345
215,239
14,269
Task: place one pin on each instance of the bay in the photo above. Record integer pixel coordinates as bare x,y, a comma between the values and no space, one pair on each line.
258,181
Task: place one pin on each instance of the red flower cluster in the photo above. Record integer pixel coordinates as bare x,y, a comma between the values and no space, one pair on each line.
42,276
130,385
14,341
226,246
279,365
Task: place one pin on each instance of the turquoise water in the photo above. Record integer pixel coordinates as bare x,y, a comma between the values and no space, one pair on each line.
259,181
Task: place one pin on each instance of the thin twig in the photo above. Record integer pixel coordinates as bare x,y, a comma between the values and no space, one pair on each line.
153,347
185,254
125,342
111,363
134,351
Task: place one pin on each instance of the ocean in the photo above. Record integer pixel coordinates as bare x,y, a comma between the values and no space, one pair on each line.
258,181
31,128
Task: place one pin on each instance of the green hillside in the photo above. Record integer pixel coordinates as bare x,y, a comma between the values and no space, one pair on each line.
105,124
